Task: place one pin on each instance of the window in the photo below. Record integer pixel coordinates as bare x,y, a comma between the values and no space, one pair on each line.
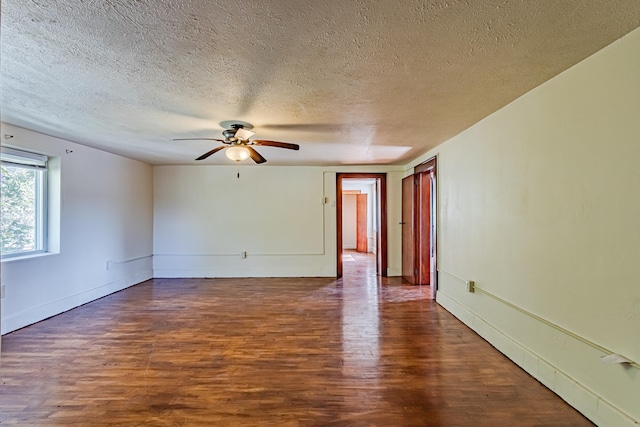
23,196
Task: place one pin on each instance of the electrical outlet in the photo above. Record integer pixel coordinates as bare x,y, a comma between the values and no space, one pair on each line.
471,286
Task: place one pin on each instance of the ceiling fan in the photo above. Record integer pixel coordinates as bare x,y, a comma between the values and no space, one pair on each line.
237,143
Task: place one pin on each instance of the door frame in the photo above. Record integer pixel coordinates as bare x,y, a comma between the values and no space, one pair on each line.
381,205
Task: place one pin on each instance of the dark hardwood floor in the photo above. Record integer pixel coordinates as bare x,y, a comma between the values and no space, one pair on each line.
361,351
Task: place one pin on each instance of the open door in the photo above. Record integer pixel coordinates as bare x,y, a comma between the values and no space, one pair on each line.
362,239
419,247
423,228
408,230
425,216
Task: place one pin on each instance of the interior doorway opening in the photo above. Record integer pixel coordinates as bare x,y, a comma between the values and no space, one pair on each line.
361,218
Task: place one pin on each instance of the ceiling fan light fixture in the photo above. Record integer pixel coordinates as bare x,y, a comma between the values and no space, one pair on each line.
237,153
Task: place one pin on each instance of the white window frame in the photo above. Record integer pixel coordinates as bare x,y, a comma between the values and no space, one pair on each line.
30,160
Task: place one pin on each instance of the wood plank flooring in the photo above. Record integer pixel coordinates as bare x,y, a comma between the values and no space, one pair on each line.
361,351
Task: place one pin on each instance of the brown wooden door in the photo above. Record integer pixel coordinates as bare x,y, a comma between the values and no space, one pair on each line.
423,222
408,232
362,240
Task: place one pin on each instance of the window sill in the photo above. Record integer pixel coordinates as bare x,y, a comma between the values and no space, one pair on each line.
26,257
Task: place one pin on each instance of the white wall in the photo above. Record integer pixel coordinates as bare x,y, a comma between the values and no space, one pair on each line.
540,205
349,221
205,219
105,220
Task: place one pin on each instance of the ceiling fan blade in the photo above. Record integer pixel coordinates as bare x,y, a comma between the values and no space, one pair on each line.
199,139
276,144
215,150
255,156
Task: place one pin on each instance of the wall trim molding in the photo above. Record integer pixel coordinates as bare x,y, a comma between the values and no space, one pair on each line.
543,320
111,264
592,405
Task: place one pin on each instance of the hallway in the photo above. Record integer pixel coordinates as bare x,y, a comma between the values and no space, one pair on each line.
356,264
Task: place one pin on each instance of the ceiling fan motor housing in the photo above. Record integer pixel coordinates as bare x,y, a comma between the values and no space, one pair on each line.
229,134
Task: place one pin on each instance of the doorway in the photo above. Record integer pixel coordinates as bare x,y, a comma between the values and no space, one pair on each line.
366,195
419,248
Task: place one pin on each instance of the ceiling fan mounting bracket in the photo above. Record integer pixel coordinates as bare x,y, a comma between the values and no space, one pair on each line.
236,124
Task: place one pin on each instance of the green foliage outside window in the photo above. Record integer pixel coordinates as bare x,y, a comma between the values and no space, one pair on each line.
18,214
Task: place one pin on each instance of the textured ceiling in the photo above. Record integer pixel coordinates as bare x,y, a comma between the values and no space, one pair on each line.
352,82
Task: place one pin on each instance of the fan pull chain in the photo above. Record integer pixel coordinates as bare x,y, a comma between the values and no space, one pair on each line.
238,165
